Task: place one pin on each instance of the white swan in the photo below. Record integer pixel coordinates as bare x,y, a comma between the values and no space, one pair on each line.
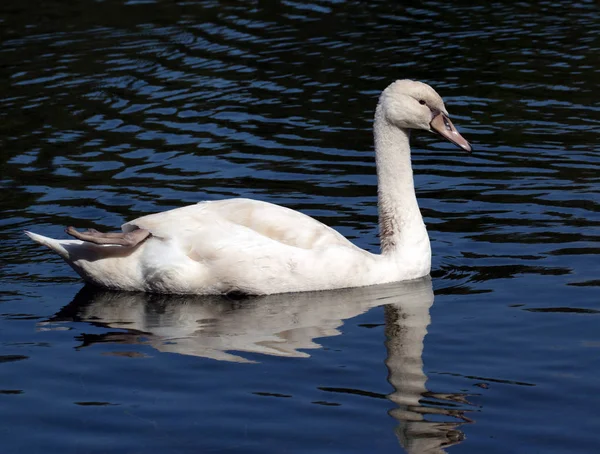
253,247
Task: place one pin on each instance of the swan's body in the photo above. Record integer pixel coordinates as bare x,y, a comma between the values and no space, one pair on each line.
239,245
253,247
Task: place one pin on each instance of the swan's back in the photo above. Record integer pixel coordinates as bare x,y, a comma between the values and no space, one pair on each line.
278,223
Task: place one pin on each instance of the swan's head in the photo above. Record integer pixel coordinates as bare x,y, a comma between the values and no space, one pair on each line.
409,104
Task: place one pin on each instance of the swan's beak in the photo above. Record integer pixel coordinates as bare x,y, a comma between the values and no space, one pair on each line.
443,126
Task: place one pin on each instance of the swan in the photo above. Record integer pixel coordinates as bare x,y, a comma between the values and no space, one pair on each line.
252,247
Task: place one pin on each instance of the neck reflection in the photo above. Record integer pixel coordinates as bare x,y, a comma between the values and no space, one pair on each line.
405,328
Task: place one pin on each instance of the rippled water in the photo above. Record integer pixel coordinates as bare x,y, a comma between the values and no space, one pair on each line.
111,109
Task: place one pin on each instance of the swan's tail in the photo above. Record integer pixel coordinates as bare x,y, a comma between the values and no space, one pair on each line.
103,265
56,245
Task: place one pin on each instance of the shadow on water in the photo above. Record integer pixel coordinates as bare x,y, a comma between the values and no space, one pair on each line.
286,325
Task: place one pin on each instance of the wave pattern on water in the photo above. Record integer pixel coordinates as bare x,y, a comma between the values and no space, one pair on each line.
110,110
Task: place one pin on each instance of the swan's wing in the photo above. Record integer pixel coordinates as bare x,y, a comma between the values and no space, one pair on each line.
275,222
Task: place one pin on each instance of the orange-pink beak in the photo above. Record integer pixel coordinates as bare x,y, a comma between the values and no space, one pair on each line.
443,126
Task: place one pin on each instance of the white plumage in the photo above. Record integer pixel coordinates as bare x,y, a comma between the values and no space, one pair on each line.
254,247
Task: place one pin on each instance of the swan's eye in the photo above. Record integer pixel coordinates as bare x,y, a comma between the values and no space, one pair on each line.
422,102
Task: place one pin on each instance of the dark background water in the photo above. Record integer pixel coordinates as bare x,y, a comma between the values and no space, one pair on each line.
112,109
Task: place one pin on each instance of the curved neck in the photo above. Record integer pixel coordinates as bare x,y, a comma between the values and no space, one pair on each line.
401,226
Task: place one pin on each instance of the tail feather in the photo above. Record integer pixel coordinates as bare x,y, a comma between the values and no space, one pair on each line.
102,265
57,246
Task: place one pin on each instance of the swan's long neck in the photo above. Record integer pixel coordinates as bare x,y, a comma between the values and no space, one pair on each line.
402,231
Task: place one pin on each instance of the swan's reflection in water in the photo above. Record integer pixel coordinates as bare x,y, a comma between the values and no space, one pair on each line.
287,325
405,327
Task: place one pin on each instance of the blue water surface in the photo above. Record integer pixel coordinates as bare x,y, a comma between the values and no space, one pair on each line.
114,109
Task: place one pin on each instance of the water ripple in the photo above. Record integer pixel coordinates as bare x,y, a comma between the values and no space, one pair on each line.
113,109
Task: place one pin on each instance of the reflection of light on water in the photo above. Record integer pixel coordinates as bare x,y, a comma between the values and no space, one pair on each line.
285,325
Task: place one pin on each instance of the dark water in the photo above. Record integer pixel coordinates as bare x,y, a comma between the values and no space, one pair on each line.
111,109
